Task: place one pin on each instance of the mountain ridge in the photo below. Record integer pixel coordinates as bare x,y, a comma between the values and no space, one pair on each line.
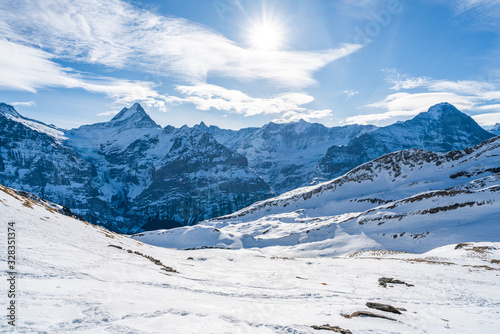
411,200
136,173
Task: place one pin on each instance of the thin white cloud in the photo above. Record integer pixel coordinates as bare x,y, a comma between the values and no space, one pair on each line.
28,69
288,105
487,119
118,35
23,104
351,93
470,96
404,105
401,81
490,107
308,115
485,13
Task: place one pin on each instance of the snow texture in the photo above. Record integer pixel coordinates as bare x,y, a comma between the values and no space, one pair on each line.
74,277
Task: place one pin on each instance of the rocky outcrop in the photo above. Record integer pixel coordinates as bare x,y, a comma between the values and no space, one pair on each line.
383,307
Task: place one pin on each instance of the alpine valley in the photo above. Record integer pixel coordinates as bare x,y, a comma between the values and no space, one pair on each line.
131,175
403,236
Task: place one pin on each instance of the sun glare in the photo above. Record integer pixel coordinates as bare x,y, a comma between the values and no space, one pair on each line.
266,36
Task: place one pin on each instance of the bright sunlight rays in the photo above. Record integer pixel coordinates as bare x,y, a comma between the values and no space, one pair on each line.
267,34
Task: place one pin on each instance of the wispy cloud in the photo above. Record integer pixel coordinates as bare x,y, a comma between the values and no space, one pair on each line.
308,115
23,104
487,119
29,69
351,93
402,81
404,105
485,14
289,106
478,98
118,35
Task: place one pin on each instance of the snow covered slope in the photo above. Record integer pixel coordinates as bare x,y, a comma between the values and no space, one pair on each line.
411,200
10,113
293,155
287,155
127,174
496,129
74,277
442,128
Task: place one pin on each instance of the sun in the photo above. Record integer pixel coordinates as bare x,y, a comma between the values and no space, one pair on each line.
266,36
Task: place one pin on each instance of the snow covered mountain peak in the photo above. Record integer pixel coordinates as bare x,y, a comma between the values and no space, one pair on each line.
203,126
7,109
496,129
12,117
134,115
443,111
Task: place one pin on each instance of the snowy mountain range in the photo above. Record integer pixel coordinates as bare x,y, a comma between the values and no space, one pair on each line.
410,200
414,232
287,155
75,277
129,174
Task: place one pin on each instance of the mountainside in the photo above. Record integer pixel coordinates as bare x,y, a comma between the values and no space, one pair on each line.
442,128
129,174
496,129
33,158
411,200
74,277
287,155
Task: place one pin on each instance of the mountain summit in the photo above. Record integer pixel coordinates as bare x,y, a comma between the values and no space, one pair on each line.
135,116
130,174
442,110
6,109
446,114
496,129
442,128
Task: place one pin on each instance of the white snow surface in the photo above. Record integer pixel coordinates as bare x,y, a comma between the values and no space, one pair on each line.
71,281
410,201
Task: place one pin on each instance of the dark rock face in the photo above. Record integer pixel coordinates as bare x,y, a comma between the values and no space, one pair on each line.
199,179
367,314
287,155
38,163
442,128
127,174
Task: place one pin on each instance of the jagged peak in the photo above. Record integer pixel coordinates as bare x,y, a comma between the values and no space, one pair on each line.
133,116
125,113
7,109
203,126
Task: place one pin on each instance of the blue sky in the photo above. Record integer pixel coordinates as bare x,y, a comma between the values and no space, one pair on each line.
240,63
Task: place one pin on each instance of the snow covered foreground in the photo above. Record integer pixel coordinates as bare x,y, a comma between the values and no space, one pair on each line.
78,278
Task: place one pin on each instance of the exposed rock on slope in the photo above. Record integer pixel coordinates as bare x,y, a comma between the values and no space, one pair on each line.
129,173
411,200
442,128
